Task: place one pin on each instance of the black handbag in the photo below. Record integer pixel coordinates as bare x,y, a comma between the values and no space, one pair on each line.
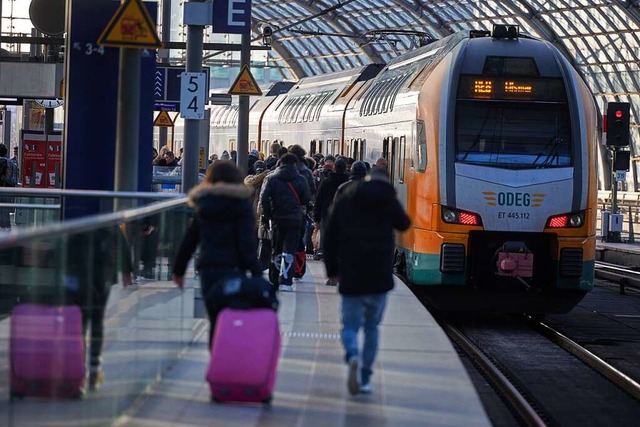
241,292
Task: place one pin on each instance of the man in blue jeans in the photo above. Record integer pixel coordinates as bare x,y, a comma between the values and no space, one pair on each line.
358,249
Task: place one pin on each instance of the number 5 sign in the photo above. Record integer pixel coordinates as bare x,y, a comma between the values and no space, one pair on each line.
193,91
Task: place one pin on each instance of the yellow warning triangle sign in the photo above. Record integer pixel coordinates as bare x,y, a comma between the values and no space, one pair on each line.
132,27
163,119
245,84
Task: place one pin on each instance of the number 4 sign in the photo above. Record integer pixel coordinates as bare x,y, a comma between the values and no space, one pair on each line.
193,91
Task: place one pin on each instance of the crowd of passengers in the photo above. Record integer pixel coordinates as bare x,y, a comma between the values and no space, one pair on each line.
289,197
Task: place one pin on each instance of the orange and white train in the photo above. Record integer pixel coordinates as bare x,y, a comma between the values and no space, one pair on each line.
491,144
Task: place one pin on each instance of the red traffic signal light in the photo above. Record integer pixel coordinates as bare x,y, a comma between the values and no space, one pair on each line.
617,125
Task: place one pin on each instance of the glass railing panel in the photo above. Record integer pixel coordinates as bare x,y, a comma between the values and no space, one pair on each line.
81,263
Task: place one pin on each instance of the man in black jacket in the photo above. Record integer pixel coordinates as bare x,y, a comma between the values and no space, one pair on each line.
358,253
324,198
283,198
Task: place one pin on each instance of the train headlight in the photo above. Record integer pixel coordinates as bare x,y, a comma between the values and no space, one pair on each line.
573,220
455,216
449,216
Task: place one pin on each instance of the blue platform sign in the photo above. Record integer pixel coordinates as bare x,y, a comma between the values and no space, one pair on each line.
90,121
232,16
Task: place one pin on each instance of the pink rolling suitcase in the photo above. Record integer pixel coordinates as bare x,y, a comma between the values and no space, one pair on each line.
46,351
244,356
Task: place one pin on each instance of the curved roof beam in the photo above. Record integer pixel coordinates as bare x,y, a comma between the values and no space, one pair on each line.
285,55
533,19
335,21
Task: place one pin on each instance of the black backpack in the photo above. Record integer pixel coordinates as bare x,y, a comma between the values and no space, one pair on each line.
8,172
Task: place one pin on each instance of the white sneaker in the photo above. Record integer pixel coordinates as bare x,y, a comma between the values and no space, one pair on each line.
366,388
286,288
353,384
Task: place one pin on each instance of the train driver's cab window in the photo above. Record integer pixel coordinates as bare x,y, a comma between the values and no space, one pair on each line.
530,133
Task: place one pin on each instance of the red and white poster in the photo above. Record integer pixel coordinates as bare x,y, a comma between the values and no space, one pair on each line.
41,160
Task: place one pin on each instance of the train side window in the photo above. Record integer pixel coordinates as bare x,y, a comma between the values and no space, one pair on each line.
385,148
400,157
421,147
347,147
355,143
252,145
363,147
336,147
232,144
321,147
312,147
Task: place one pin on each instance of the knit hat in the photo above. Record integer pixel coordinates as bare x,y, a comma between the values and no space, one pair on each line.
340,166
259,166
358,170
254,153
224,155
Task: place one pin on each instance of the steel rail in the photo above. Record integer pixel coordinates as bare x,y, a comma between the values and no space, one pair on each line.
625,277
528,414
620,379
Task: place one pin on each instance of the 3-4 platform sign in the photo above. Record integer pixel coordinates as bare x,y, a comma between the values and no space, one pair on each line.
192,95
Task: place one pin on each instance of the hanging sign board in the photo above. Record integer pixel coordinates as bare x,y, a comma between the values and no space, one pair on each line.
193,92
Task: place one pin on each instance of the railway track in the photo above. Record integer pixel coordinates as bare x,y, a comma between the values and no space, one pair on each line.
496,353
624,276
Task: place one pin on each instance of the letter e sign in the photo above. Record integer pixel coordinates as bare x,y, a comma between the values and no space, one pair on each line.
193,89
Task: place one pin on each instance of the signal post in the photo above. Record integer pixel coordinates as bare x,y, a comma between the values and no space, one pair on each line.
617,140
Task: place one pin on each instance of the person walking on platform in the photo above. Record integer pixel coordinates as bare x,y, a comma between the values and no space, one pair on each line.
324,199
358,253
224,226
93,262
8,178
358,172
283,198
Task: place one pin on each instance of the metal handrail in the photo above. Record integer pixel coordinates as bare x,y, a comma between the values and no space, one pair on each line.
56,192
87,223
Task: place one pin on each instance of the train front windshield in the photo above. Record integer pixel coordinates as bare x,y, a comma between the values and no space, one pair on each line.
525,132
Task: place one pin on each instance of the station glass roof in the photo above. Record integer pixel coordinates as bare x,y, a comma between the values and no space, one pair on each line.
600,37
310,37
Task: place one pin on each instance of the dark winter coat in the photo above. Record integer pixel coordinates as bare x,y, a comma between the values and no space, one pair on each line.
358,242
277,199
308,175
326,192
224,226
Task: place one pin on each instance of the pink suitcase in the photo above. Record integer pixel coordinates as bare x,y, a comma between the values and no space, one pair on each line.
46,351
244,356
